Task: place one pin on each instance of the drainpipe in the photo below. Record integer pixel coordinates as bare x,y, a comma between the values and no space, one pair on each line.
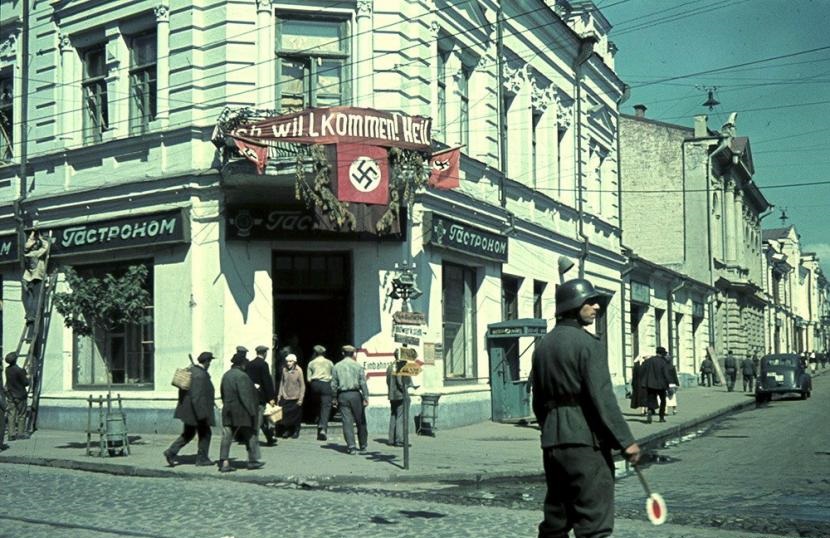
670,312
501,110
626,94
623,275
586,49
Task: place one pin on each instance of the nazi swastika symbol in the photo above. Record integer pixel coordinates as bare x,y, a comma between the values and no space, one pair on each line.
364,173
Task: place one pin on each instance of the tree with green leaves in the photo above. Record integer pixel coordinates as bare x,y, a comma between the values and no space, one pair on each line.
104,303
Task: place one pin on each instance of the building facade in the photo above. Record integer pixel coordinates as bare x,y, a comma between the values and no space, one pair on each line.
121,169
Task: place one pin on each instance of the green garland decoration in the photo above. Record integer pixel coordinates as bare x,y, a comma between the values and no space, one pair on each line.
408,174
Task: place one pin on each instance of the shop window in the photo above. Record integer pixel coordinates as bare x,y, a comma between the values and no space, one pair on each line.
128,348
143,82
459,315
312,61
6,116
94,87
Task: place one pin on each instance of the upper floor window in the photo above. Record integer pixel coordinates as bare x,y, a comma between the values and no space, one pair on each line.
143,82
312,60
464,106
94,86
442,93
6,117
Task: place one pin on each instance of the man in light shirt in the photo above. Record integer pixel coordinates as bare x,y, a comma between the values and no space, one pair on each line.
319,377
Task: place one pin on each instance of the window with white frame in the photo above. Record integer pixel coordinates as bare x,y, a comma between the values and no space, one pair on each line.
94,87
464,105
129,349
312,62
6,115
441,75
143,81
459,321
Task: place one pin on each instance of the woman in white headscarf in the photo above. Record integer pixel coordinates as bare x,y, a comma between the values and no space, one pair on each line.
291,394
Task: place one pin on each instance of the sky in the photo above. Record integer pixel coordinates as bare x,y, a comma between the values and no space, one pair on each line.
769,61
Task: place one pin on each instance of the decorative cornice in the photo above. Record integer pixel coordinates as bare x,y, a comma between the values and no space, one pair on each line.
65,43
162,13
434,29
514,78
8,47
364,8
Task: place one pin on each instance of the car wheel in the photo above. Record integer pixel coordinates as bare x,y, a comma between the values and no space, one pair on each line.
804,394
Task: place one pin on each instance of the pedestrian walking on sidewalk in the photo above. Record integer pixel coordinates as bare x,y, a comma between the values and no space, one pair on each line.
3,410
240,404
638,393
707,368
674,384
748,372
580,420
655,378
396,386
319,379
260,374
195,410
730,367
348,382
291,395
17,383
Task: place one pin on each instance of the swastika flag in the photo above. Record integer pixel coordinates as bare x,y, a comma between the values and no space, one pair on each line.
362,174
444,168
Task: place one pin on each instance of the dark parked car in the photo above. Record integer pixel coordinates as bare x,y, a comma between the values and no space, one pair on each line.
782,373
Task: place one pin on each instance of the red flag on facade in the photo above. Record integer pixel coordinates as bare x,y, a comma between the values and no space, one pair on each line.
253,152
444,169
362,174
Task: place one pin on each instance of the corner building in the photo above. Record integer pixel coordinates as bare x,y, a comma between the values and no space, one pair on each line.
121,169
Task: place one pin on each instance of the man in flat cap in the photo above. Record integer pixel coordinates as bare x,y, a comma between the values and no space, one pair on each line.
16,388
319,377
348,382
195,410
240,405
260,374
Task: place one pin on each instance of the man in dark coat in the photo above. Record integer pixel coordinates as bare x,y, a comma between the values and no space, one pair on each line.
260,374
579,417
655,378
396,385
195,410
730,367
748,372
707,368
240,405
16,389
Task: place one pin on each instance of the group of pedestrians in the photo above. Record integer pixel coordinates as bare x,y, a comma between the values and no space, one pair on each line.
748,367
248,387
654,385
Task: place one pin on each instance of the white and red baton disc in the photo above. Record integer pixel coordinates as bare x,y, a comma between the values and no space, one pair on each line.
656,509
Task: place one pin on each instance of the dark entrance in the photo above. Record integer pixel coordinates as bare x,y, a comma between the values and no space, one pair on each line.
312,303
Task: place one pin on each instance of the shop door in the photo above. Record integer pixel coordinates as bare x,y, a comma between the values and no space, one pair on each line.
312,302
509,393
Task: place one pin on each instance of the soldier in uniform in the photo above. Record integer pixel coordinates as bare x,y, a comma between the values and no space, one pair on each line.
240,404
260,374
195,410
748,372
579,417
730,366
348,382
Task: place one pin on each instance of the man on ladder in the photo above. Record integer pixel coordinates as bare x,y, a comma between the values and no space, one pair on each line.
35,257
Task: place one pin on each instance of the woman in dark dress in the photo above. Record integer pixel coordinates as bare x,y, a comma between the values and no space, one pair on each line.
638,393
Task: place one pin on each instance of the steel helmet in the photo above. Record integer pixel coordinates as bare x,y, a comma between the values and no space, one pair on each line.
574,293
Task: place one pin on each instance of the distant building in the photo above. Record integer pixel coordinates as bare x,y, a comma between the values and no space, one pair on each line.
689,205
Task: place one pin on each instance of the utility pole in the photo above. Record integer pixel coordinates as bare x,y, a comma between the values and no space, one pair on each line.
23,143
501,109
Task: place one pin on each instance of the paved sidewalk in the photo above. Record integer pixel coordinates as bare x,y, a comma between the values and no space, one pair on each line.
480,451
